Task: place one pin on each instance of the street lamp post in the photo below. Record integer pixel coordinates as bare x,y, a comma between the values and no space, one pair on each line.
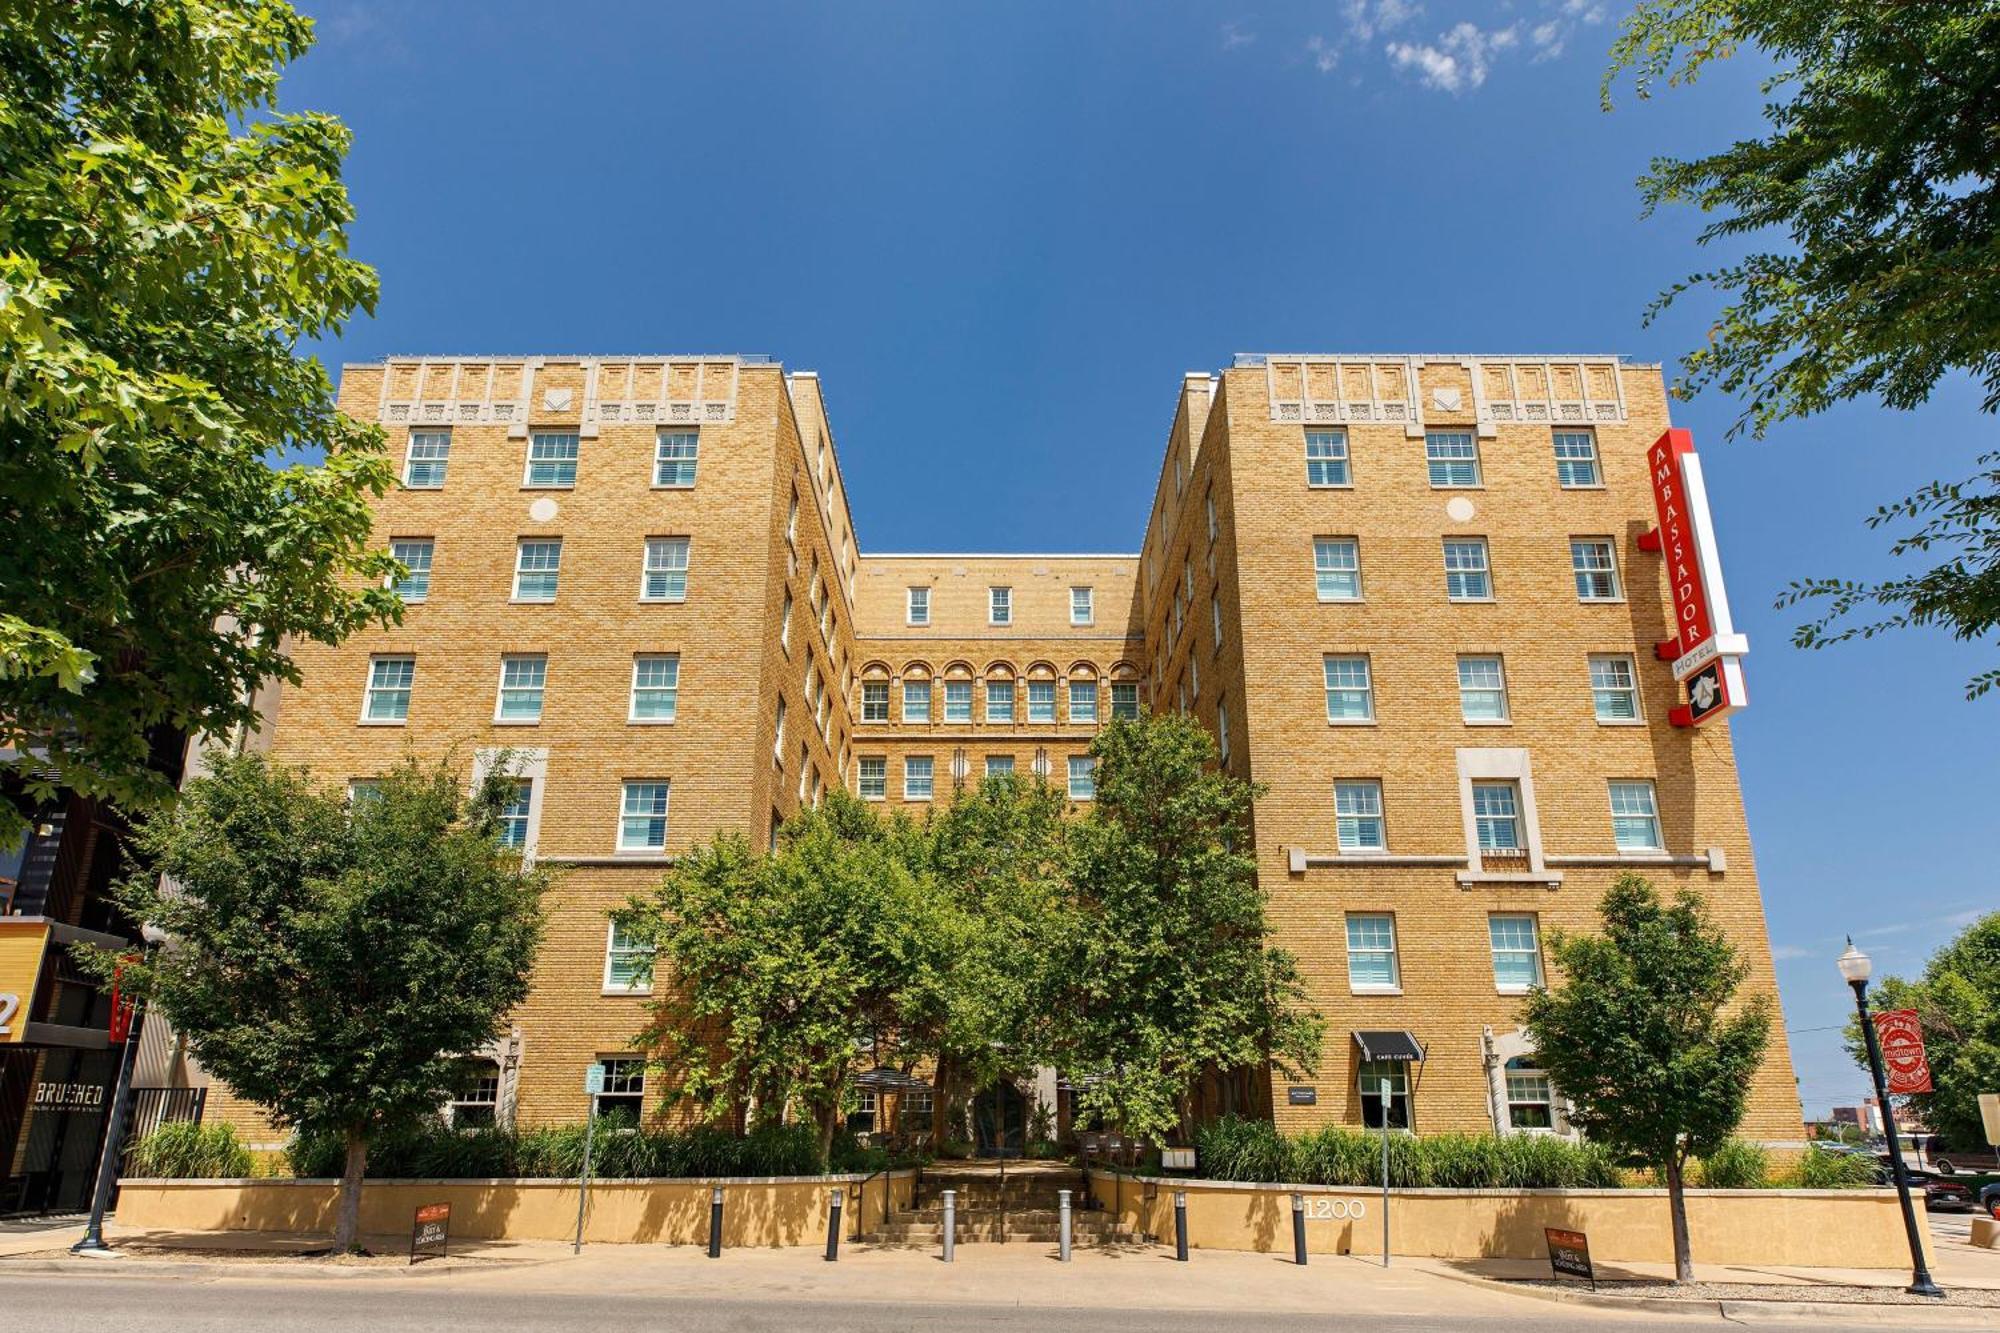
1855,967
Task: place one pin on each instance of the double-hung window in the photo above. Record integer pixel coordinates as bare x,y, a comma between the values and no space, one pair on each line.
522,680
917,607
1452,456
1482,689
1576,458
624,1092
551,459
1215,618
1468,577
656,687
513,831
1517,956
1222,732
1530,1097
1337,568
1614,689
917,777
666,574
1326,458
1124,699
874,777
999,701
388,694
674,455
628,962
429,455
1384,1086
1635,816
874,701
916,701
1350,691
1083,701
1595,565
958,701
1357,816
1082,608
999,606
537,566
1371,952
785,623
1041,701
1082,777
642,821
1496,815
414,555
999,765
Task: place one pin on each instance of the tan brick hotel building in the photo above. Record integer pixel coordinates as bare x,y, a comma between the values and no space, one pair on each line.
1406,593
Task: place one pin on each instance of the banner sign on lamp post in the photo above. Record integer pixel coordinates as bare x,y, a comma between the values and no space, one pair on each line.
1902,1040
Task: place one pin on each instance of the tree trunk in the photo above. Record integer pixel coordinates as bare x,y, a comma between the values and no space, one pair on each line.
940,1099
828,1119
347,1212
1677,1205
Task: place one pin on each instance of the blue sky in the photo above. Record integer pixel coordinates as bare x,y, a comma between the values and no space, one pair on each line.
1002,232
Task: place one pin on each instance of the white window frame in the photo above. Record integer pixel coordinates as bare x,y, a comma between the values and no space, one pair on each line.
999,766
1434,460
659,559
866,702
1084,767
1495,819
1366,688
691,460
1000,604
1138,704
509,661
1648,789
1565,464
913,790
613,952
1498,764
1215,618
521,546
555,461
1580,572
913,690
371,685
995,691
1084,689
1336,461
1327,552
1466,691
430,440
626,813
1045,713
1082,611
402,549
958,702
518,813
1394,985
1528,1076
1222,732
1368,1078
1357,803
917,606
878,778
1630,689
785,623
671,690
1533,951
778,735
1457,576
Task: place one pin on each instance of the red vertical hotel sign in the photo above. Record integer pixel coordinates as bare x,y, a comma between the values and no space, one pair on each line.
1706,651
1692,623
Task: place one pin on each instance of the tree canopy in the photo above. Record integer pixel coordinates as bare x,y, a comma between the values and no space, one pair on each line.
167,239
1864,230
1644,1035
336,963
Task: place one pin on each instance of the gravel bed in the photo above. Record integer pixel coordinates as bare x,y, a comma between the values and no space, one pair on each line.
1660,1289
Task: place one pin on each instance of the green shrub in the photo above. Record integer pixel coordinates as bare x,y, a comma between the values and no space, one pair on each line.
620,1150
1736,1165
1233,1148
184,1150
1818,1169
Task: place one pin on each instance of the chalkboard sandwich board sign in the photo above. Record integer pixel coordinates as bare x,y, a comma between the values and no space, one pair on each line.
1569,1254
429,1231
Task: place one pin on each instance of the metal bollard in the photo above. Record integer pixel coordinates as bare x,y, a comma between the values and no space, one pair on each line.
1299,1228
1180,1225
715,1223
1063,1198
950,1223
833,1230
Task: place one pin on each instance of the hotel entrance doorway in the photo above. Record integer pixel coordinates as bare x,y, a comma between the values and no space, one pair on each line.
1000,1120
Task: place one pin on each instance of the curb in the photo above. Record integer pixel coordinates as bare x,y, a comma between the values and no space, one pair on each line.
135,1266
1742,1311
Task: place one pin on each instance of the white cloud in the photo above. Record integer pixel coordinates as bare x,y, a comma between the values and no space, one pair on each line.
1365,19
1234,35
1459,60
1323,54
1784,952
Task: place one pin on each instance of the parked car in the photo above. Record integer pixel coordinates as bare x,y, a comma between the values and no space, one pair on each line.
1940,1194
1950,1161
1989,1200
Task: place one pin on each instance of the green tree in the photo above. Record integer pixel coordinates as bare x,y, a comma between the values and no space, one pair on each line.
1958,1001
166,241
1878,171
336,963
1645,1037
1165,970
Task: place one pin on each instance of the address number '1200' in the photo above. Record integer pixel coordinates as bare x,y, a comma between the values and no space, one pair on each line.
1336,1210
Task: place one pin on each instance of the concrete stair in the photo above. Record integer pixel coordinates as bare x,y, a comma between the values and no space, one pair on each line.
1019,1208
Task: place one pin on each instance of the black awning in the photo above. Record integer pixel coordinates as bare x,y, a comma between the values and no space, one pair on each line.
884,1079
1389,1046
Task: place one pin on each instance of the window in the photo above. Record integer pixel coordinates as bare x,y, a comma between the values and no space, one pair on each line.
917,777
1194,678
1208,504
999,606
362,790
514,814
1326,458
1222,732
1482,689
551,458
478,1102
388,693
642,824
1083,701
1530,1103
1496,810
1467,576
874,701
1596,569
792,520
429,455
1614,689
1453,456
522,680
1371,952
913,1110
1124,699
1215,619
916,701
414,555
999,701
1517,957
656,687
958,701
1635,817
1350,693
628,963
1081,609
674,458
1337,568
1082,777
1376,1078
999,765
1041,701
537,565
778,735
624,1092
1357,816
785,623
918,608
874,781
1576,458
666,574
